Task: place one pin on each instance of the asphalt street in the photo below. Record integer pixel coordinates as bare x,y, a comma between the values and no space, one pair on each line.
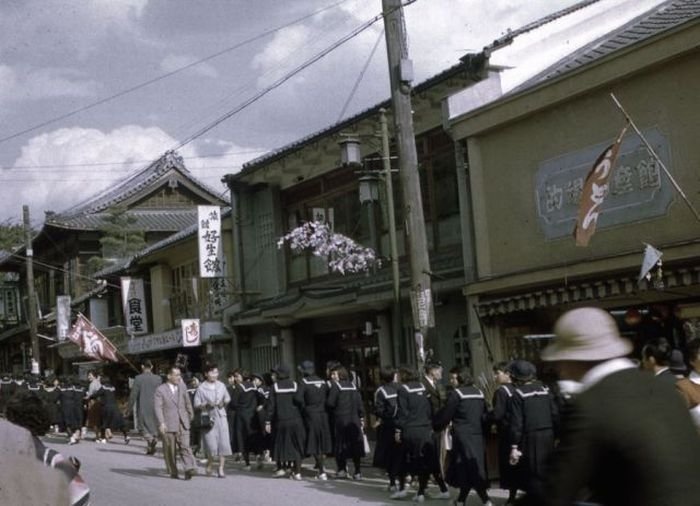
120,474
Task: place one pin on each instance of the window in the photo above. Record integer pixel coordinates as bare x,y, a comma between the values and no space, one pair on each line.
462,351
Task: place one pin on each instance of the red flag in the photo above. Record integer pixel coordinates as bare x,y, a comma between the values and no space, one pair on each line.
595,190
91,341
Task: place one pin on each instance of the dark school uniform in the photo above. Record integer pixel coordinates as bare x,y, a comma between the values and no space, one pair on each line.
532,423
385,409
110,416
502,398
7,390
70,422
285,405
466,410
265,440
414,421
244,417
195,424
345,403
79,392
318,432
51,397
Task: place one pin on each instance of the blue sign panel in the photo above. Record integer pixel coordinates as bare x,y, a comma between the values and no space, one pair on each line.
639,189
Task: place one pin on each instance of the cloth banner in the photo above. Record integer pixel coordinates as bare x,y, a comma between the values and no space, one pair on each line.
595,189
652,256
91,341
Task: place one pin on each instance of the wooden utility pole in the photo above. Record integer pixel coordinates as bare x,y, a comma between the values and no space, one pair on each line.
401,75
31,294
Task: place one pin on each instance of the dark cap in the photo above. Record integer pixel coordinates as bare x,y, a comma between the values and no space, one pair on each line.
433,364
676,363
306,367
281,370
254,375
522,370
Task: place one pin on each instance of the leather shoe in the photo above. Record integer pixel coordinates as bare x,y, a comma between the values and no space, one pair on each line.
189,474
151,448
174,476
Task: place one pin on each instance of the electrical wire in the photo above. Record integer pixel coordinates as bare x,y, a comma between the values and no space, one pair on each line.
360,77
354,33
144,84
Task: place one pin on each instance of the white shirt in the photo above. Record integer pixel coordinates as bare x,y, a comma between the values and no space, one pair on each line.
173,388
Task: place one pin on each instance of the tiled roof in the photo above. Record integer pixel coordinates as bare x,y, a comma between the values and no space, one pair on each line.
148,220
667,16
128,188
255,164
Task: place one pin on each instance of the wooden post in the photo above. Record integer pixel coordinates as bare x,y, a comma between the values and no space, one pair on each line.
31,294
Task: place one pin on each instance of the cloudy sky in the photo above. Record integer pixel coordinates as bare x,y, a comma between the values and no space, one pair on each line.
59,56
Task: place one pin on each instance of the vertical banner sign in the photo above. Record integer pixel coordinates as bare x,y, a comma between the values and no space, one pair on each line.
134,302
62,316
211,253
190,332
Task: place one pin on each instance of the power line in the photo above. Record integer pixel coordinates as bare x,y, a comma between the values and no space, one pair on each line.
280,81
92,105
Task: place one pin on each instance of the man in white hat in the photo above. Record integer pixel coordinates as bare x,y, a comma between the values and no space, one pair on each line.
627,440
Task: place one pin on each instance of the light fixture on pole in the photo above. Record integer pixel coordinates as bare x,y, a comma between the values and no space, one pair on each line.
369,187
350,153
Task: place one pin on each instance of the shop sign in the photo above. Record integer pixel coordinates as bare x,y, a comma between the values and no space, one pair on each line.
191,335
62,316
638,188
154,342
211,254
134,303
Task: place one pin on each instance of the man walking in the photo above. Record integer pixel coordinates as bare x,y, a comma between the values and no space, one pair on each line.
141,397
174,413
627,439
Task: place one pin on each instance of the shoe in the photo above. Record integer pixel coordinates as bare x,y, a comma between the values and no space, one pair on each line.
442,495
392,488
322,477
190,473
209,470
83,432
220,473
457,503
151,448
247,468
341,475
73,441
295,476
488,503
357,476
174,476
127,440
279,473
399,494
419,498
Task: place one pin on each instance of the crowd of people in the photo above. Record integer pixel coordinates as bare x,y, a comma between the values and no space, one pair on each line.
610,431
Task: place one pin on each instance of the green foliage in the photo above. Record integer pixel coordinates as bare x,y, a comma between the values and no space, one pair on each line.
120,240
11,235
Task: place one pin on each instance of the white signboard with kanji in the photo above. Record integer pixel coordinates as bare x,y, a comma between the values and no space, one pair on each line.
211,252
190,332
134,302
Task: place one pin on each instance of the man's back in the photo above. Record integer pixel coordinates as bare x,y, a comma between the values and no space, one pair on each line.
629,440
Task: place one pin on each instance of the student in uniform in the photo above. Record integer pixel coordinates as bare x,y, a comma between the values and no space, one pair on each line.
195,426
465,410
385,409
656,357
286,404
263,416
414,432
318,432
502,398
246,398
110,416
532,424
345,403
437,395
70,413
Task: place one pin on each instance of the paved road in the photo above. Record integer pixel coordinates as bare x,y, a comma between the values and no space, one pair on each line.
121,474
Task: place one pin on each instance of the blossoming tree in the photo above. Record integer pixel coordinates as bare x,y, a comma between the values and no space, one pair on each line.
344,255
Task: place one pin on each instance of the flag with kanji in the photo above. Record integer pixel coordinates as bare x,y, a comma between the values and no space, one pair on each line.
91,341
595,189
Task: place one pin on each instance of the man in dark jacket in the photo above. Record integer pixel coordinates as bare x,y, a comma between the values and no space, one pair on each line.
627,439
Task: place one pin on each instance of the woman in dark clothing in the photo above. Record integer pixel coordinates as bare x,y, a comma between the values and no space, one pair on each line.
71,415
414,431
385,409
50,396
266,441
345,403
318,432
246,403
110,415
532,422
466,411
502,398
285,406
195,424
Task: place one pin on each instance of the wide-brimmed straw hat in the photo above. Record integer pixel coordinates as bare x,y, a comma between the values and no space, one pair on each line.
586,334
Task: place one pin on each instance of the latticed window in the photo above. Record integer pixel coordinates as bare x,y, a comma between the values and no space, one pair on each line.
462,351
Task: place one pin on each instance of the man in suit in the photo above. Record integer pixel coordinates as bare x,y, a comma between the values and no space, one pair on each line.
141,397
626,440
174,413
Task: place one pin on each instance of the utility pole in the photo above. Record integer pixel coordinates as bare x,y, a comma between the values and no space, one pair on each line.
401,75
31,294
396,321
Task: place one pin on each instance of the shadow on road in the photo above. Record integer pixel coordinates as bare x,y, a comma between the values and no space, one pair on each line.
156,472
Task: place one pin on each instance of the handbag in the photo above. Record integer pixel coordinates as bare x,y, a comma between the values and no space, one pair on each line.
365,443
205,420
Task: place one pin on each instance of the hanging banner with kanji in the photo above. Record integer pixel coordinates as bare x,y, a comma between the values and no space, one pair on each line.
190,332
211,253
62,316
134,303
91,341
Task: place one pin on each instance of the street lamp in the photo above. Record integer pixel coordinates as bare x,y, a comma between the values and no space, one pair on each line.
350,153
369,187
